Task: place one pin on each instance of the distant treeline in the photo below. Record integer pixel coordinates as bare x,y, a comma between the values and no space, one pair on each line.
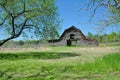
105,38
27,43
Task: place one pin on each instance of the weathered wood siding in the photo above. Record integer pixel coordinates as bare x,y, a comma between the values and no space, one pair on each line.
79,37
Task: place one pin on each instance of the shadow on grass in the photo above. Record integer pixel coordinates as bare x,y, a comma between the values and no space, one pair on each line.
36,55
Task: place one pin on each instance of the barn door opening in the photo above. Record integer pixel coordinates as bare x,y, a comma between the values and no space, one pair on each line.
68,42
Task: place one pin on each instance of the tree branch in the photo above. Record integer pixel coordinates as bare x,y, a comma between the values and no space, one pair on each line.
22,28
94,11
116,2
15,35
6,8
29,25
4,20
5,40
13,26
109,3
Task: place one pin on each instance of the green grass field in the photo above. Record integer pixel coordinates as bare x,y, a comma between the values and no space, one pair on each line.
60,63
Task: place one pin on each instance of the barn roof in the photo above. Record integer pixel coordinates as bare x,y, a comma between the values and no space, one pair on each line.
68,30
72,28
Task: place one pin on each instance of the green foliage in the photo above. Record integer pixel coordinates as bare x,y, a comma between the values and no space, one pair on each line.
106,38
113,60
38,18
90,34
115,11
109,62
32,42
20,42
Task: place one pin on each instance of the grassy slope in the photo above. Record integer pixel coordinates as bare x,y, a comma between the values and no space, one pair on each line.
61,63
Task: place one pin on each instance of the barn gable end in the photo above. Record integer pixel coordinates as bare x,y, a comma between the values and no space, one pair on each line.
73,36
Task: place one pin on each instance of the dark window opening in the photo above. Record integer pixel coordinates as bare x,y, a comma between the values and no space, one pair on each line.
72,36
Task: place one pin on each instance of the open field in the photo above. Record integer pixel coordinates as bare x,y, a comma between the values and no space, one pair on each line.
60,63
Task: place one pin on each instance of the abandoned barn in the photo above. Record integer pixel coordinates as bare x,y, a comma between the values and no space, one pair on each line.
73,36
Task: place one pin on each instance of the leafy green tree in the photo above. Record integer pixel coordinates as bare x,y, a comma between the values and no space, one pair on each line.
90,34
49,31
112,37
18,17
105,38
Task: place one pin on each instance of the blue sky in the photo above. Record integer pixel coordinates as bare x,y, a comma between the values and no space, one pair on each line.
71,14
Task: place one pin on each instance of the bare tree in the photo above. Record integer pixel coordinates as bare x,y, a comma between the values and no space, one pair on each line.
113,7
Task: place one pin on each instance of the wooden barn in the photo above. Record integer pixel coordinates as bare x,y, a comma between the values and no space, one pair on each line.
73,36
